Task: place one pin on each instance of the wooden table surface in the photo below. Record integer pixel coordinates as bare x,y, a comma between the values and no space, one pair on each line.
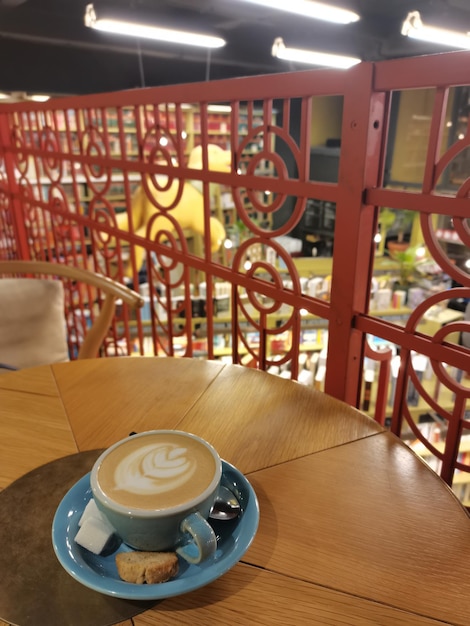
354,528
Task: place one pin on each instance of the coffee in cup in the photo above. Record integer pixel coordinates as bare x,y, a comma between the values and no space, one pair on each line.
157,489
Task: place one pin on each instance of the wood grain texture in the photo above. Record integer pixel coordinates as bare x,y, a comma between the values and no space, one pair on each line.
33,430
370,519
106,399
354,528
39,380
278,601
256,420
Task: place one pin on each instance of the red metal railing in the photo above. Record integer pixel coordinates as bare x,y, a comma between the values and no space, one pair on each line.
102,180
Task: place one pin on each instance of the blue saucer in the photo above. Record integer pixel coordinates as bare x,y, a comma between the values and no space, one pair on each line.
99,572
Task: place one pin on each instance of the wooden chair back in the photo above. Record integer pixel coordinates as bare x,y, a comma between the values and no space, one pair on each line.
111,289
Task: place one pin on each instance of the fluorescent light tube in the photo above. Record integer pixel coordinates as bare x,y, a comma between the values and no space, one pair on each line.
39,97
309,8
219,108
413,27
311,57
143,31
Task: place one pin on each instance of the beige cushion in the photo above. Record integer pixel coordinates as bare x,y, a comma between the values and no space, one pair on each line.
32,325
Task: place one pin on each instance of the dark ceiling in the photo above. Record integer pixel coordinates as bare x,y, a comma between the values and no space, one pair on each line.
45,46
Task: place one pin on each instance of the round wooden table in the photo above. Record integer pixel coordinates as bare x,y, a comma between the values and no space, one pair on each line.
354,528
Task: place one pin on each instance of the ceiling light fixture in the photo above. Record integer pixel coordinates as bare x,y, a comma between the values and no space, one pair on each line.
21,96
120,27
309,8
219,108
39,97
413,27
311,57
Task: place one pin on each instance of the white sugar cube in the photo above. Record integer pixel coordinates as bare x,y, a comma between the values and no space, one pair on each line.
94,534
91,510
94,529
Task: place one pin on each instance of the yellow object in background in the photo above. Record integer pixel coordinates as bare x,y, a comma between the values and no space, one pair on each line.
148,219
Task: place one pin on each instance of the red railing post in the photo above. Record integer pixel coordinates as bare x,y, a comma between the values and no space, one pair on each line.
356,223
13,189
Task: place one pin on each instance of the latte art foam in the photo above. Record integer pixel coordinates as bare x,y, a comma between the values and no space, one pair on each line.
157,470
154,469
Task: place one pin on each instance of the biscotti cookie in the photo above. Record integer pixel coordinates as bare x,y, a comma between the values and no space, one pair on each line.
146,567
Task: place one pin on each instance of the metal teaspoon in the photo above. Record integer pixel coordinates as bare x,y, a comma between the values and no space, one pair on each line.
226,506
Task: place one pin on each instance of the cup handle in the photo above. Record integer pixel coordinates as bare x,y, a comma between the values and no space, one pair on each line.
202,540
